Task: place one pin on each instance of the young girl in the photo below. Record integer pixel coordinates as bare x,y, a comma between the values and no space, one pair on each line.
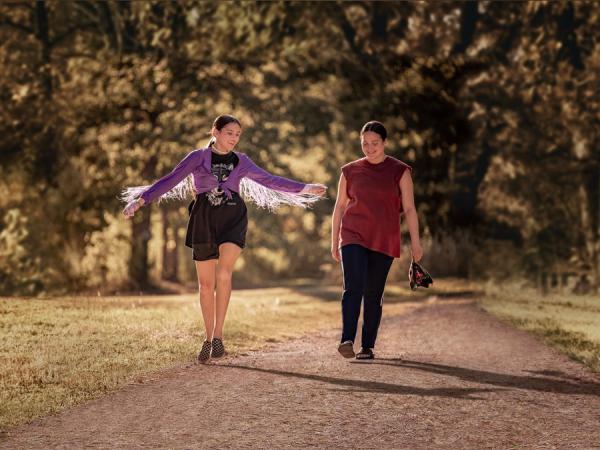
218,215
372,193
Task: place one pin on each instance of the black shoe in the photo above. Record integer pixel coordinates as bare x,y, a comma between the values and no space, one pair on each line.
365,353
346,349
204,354
218,349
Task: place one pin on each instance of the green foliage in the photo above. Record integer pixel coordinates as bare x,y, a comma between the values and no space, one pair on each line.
494,104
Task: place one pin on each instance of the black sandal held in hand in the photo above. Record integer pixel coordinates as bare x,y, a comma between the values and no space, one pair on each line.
418,276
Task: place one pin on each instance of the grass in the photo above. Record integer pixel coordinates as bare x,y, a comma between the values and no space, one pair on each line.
569,322
59,352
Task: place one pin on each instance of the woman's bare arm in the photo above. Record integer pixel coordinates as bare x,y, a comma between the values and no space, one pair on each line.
412,220
338,211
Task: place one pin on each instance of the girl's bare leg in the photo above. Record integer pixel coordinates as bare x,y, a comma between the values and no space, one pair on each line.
206,271
228,255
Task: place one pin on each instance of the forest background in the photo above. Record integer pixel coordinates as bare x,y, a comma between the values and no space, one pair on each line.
495,105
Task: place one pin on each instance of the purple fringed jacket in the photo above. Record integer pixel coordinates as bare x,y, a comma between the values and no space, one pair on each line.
198,164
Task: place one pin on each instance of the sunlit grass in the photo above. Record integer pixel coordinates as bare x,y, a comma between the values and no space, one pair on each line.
569,322
56,353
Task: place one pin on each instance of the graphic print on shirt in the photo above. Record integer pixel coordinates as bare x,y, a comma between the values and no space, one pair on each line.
221,171
221,167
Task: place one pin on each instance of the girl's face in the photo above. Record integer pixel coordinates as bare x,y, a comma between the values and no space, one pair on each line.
227,137
372,146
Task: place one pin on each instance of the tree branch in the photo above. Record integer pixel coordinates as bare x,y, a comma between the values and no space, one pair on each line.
468,25
566,33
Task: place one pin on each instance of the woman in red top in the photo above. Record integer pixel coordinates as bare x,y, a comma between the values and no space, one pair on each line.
373,191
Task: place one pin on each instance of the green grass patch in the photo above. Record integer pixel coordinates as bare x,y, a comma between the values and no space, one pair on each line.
571,323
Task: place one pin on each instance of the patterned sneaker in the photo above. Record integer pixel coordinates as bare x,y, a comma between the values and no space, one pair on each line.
218,349
346,349
204,354
365,353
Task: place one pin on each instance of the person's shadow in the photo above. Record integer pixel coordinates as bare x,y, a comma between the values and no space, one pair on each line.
545,381
564,385
373,386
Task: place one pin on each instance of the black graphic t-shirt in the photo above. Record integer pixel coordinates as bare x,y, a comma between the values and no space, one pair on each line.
221,168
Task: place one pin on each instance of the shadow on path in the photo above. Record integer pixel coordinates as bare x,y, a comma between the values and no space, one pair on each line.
330,295
374,386
534,383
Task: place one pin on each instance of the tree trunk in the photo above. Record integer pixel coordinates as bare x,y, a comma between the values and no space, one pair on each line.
589,199
169,269
597,241
164,216
41,33
108,26
468,24
138,264
174,255
464,202
141,234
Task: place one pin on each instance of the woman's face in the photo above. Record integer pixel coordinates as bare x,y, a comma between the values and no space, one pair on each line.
227,137
372,145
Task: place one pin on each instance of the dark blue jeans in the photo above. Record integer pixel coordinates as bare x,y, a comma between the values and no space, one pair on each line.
365,273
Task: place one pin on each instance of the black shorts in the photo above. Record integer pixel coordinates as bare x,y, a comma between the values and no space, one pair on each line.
210,226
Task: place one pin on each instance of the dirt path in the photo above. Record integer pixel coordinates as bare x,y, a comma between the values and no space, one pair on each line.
447,376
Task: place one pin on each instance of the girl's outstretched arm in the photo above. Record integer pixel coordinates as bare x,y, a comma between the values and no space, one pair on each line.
137,196
277,183
270,191
169,181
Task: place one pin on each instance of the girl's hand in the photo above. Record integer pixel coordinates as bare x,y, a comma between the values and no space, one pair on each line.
315,189
132,207
335,252
417,252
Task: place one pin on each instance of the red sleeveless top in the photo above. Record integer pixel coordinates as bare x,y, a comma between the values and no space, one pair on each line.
372,217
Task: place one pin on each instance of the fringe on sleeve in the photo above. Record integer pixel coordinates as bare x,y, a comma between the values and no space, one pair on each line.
180,191
270,199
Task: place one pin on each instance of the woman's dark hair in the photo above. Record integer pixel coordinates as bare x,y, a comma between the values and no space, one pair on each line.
220,122
375,127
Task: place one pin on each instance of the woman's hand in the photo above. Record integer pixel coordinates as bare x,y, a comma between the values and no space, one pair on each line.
132,207
417,252
335,251
315,189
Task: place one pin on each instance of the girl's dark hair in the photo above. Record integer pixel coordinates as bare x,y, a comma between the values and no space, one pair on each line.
223,120
375,127
220,122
